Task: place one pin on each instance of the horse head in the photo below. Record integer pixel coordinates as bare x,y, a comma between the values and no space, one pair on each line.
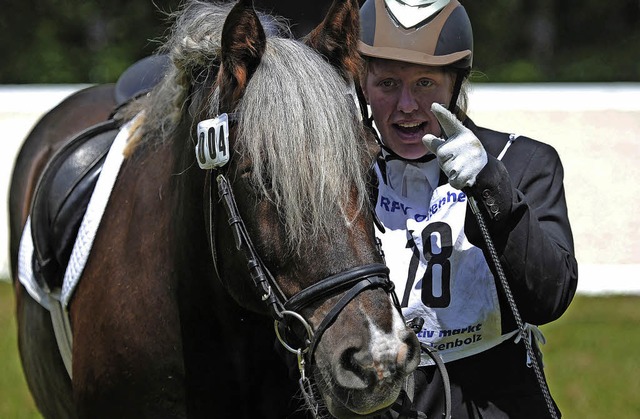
291,227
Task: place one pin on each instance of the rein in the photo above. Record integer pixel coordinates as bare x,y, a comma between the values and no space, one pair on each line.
523,334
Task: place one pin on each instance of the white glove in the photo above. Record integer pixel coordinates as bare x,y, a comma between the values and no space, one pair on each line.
461,156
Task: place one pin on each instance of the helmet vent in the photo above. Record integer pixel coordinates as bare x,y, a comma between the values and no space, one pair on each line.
414,13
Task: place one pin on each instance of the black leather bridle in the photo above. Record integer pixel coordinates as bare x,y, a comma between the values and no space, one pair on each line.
351,282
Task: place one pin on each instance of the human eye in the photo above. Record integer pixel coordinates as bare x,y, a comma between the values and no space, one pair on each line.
386,83
425,83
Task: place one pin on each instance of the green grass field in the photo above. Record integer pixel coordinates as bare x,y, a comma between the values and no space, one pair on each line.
15,400
591,356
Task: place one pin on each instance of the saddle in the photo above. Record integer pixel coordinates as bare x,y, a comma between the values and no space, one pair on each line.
61,199
140,77
69,179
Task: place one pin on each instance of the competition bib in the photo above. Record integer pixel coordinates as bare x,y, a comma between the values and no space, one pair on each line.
438,274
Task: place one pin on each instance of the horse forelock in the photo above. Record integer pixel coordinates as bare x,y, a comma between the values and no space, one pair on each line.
193,46
299,129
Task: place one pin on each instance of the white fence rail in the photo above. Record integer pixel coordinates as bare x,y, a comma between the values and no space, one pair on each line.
594,127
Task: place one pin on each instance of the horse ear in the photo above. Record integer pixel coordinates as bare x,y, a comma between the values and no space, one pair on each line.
337,37
242,45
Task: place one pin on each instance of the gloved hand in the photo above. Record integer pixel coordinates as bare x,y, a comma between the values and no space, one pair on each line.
461,156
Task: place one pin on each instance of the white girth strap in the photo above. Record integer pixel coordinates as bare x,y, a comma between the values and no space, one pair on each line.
95,211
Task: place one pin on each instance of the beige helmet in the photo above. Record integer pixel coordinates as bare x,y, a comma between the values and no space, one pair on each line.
429,32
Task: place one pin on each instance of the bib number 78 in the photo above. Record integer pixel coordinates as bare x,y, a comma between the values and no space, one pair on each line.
437,247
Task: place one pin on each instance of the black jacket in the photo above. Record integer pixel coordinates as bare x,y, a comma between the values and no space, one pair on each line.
522,200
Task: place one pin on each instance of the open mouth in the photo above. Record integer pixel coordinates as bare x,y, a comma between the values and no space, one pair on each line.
410,128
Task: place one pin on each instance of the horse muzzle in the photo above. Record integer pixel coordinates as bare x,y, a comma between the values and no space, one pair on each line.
361,374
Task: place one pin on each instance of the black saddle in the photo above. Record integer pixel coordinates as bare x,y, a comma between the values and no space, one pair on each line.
61,199
67,183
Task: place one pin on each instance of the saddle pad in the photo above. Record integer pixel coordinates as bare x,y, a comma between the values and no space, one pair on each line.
62,196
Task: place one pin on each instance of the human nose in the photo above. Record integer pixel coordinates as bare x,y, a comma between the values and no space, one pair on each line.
407,102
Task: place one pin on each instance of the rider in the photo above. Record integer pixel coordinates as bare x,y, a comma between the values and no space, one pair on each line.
434,162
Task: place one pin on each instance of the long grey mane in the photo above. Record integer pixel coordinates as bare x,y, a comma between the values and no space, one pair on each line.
300,130
296,123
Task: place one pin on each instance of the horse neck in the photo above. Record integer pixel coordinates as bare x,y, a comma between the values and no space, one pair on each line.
188,210
168,185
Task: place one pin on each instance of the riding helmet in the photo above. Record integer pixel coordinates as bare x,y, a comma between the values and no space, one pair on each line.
429,32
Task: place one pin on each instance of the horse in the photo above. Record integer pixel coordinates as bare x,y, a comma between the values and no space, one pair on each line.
235,270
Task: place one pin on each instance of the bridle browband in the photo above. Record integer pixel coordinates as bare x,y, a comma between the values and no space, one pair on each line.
282,309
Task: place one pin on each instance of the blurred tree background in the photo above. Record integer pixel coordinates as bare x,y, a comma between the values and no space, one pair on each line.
93,41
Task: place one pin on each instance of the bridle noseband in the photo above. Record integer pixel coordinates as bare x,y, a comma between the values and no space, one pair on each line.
353,281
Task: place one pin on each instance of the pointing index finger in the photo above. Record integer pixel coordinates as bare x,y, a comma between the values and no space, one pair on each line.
448,121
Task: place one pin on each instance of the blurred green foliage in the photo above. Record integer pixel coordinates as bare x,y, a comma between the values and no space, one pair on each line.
556,41
71,41
93,41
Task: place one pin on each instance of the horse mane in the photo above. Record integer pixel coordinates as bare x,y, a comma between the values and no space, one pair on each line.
296,123
299,128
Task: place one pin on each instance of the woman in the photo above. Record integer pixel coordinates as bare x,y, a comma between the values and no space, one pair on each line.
434,161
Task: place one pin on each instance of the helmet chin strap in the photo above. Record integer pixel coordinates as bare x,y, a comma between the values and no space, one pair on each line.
457,86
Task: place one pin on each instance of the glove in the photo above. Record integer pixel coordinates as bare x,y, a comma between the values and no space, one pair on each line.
461,156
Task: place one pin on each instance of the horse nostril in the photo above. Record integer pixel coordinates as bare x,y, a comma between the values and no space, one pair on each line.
356,369
409,354
384,370
381,363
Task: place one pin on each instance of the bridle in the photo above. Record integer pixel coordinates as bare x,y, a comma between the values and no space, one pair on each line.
282,309
356,280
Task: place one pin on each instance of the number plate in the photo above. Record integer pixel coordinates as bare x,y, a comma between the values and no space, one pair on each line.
212,150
